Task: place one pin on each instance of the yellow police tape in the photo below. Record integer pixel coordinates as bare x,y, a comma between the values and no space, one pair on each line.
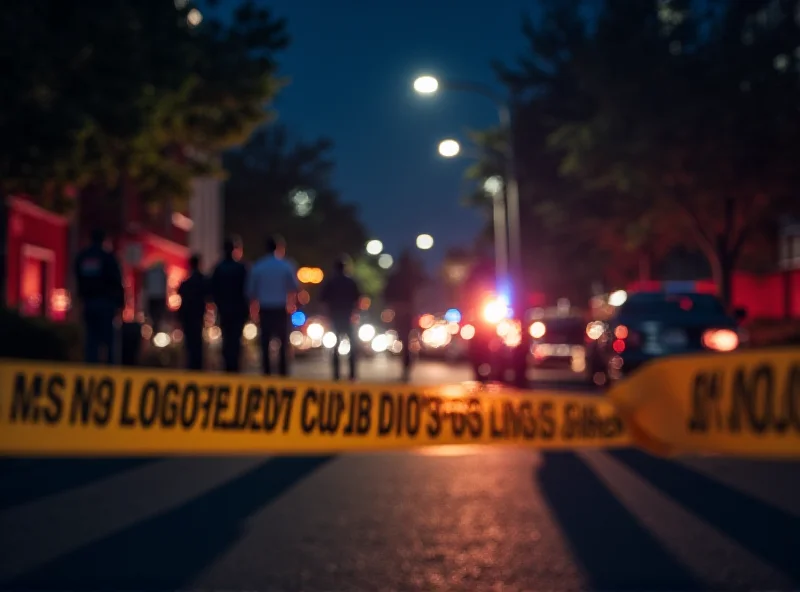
743,404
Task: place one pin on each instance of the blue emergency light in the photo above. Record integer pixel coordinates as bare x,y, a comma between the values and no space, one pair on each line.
453,315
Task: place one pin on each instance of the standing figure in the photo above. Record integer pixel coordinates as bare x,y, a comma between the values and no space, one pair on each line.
340,294
155,289
228,283
100,290
194,295
400,292
273,283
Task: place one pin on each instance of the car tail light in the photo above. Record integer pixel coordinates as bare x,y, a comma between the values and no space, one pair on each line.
624,338
722,340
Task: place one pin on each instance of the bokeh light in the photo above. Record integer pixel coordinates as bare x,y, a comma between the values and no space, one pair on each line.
424,242
374,247
385,261
449,148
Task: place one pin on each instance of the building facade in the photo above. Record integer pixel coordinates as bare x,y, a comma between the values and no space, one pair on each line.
36,260
40,245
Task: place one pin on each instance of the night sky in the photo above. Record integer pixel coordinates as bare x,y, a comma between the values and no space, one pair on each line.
351,73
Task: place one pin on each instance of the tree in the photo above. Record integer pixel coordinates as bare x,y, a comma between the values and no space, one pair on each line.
141,92
370,278
680,116
277,185
568,230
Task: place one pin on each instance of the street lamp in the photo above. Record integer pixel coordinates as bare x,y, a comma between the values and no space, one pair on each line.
509,213
424,242
429,85
426,85
449,148
374,247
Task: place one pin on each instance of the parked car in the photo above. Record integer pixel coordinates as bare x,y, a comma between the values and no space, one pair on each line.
650,325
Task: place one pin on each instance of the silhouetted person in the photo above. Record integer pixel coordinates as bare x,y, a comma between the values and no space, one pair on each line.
194,296
228,285
399,293
99,280
155,289
340,294
271,283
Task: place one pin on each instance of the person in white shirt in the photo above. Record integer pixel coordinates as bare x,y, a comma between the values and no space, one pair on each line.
273,283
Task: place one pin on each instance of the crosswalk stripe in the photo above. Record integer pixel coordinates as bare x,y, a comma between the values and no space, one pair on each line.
679,530
122,500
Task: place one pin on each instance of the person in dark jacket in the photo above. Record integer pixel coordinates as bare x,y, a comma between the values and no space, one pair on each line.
340,294
100,290
400,294
194,295
228,286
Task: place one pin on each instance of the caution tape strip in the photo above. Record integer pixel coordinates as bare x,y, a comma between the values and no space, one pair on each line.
744,404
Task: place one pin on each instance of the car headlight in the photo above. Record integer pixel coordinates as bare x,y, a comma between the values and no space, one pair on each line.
380,344
329,339
161,339
315,331
595,330
250,331
366,332
537,330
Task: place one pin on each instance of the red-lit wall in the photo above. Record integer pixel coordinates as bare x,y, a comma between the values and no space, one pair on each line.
37,250
762,296
153,248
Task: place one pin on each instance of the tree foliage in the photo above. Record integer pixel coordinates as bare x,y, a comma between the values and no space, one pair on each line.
659,123
265,175
109,89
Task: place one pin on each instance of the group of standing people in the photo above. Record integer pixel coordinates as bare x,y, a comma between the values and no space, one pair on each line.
271,282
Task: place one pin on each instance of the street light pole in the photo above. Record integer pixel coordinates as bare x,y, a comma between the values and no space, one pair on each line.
495,188
510,218
513,246
512,200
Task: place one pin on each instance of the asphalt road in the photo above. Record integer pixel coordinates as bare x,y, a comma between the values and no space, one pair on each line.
385,368
447,518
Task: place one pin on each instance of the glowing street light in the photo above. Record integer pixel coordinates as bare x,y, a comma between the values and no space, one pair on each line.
426,85
493,185
424,242
374,247
385,261
449,148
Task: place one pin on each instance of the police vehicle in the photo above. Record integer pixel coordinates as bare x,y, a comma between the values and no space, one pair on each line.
647,325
